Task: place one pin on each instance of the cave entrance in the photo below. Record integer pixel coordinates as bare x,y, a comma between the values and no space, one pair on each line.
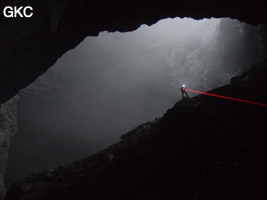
116,81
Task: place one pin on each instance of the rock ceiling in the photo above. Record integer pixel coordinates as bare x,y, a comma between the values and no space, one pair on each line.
29,46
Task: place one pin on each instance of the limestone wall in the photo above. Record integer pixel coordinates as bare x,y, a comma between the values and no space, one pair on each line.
8,128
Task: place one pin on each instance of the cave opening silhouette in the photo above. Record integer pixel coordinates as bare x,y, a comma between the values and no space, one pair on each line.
111,83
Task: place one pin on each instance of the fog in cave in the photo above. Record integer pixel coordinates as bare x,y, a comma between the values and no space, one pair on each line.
111,83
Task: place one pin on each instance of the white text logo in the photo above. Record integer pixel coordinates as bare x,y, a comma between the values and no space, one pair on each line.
21,11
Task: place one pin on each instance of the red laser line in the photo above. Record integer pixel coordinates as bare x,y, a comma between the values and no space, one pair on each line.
215,95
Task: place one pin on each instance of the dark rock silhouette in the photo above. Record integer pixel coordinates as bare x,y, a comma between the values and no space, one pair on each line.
208,148
28,47
252,74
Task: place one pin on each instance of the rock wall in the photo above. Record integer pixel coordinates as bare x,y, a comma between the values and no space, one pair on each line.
8,128
216,51
8,122
29,46
203,149
199,58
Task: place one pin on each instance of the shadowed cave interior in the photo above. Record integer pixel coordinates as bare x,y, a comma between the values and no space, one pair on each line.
116,81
